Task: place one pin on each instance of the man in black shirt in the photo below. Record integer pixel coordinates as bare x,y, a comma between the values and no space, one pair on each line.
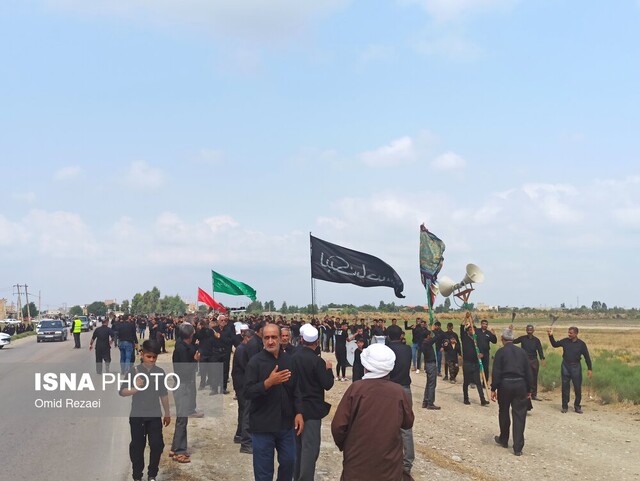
184,360
400,375
470,365
127,343
314,377
571,370
511,386
532,346
431,369
240,360
485,337
275,412
103,336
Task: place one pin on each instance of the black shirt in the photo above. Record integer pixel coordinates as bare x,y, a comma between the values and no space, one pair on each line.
573,350
358,368
469,353
127,332
184,364
484,338
531,346
102,335
313,379
511,363
400,372
240,360
427,350
271,409
205,337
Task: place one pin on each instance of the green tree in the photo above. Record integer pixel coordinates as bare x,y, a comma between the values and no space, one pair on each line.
125,306
76,311
596,305
171,305
447,305
254,308
31,311
97,308
284,309
136,304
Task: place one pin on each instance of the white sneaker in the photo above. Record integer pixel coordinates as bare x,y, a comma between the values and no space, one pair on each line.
417,371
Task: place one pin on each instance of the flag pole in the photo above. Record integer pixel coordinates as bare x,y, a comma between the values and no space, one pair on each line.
313,286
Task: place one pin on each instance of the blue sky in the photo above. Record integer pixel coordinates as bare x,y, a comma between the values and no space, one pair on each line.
146,142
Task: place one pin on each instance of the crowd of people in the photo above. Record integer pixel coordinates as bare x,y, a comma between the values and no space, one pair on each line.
280,379
19,328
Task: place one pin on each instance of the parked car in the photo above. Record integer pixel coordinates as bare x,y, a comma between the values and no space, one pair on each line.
86,323
5,339
52,330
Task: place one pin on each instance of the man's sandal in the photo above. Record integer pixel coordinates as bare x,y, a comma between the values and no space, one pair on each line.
181,458
172,454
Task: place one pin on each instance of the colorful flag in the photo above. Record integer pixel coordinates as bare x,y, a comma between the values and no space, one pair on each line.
229,286
209,301
431,260
334,263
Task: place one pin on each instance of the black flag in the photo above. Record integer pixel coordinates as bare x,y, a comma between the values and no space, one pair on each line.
333,263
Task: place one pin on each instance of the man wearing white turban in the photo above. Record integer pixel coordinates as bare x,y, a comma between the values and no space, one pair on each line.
372,444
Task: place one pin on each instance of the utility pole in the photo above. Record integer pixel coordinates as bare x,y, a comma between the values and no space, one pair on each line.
40,304
19,303
26,293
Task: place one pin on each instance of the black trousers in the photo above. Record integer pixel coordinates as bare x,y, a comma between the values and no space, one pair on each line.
471,373
486,359
102,354
76,339
141,430
535,367
571,373
513,394
341,361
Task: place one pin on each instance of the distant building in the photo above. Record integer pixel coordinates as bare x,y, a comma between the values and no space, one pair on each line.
3,308
481,306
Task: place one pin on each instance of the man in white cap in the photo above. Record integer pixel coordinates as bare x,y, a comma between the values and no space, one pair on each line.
372,444
314,377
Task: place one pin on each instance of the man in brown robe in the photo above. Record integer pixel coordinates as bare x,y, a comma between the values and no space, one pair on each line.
371,443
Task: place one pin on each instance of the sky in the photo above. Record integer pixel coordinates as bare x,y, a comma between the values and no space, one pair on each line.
144,143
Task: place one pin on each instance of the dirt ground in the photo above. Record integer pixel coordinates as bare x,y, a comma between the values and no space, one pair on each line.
455,443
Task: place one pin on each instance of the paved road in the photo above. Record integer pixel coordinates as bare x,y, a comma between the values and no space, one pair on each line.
56,448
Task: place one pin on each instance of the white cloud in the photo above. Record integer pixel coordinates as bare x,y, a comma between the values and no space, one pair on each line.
447,10
448,161
536,191
399,151
67,173
141,175
256,21
220,222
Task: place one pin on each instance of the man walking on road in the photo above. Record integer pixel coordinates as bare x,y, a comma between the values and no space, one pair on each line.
511,386
103,336
573,351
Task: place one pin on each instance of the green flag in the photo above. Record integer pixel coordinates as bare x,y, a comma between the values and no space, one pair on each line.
229,286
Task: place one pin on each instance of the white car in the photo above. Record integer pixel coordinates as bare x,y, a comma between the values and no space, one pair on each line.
5,339
10,321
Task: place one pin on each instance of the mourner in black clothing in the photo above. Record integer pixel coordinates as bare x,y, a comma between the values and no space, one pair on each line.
485,337
512,379
341,352
470,365
314,376
573,351
400,374
275,413
184,360
431,369
439,337
357,372
240,360
102,337
448,334
532,346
